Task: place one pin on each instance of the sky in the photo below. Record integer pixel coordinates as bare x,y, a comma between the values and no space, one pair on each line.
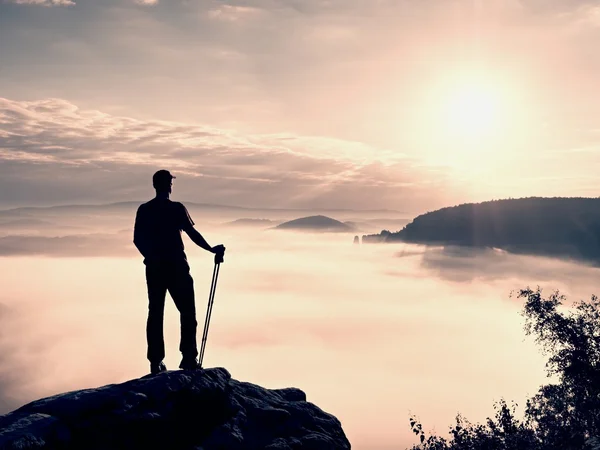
405,105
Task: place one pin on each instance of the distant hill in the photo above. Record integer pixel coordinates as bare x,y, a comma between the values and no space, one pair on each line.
198,210
563,227
128,205
315,223
250,223
372,225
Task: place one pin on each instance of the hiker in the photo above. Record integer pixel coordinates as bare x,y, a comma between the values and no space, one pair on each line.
157,235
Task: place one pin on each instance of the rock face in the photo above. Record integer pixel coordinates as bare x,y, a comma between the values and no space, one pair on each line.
196,410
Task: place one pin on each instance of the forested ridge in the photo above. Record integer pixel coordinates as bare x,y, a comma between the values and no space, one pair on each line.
547,226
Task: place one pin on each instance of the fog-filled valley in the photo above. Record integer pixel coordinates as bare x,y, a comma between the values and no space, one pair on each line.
372,333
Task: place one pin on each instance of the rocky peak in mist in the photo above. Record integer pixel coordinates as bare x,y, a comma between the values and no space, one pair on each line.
204,409
315,223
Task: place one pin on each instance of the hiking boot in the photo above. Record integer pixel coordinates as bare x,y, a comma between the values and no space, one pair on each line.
157,367
189,364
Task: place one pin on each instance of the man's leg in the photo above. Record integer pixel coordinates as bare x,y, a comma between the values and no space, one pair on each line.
181,288
157,291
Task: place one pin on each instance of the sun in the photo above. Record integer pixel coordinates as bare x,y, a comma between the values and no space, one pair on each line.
472,109
470,118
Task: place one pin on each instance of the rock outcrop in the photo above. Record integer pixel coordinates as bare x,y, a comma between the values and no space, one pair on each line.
200,410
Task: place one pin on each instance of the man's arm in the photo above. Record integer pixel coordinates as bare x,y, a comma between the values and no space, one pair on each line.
187,225
197,238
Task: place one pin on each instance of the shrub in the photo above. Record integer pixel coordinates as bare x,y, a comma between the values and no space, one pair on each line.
561,416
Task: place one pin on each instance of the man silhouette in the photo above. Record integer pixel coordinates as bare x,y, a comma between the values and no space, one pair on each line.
157,235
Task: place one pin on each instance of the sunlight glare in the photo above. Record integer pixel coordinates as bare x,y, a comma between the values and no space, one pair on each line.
471,120
473,109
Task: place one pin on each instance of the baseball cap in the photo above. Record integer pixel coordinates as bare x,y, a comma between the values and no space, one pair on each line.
161,178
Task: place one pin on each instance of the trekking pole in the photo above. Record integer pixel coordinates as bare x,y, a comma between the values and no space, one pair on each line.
211,299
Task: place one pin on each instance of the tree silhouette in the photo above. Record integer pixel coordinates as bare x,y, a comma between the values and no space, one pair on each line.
561,416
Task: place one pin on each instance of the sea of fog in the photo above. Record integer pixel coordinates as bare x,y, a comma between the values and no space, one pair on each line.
372,333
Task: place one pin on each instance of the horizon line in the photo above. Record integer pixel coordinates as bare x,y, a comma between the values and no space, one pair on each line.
220,205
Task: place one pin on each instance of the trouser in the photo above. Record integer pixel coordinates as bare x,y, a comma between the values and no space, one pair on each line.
173,277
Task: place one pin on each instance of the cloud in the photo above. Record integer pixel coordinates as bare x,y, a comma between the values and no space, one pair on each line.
340,336
10,372
309,301
556,6
43,2
97,245
146,2
233,12
24,341
464,264
53,151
